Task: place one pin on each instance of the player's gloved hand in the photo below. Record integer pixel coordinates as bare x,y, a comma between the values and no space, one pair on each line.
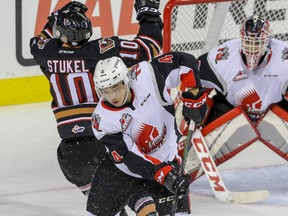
75,5
147,10
194,106
167,175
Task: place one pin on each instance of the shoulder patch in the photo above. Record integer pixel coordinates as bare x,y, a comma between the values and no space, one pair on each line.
96,121
134,72
42,42
222,54
106,44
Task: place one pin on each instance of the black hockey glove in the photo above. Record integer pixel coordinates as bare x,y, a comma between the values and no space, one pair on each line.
194,106
147,10
167,175
73,6
76,6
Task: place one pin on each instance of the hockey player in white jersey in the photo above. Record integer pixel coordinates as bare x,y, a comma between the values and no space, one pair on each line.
135,121
250,76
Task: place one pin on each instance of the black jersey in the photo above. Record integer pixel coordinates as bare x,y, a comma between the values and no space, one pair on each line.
70,72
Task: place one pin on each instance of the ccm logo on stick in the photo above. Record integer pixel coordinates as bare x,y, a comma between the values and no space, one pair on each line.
208,165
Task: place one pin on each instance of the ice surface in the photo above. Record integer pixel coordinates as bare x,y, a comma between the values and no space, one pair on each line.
31,183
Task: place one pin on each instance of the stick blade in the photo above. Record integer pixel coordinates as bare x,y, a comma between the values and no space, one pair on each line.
243,197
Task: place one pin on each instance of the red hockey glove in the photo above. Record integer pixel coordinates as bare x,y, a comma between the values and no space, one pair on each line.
147,10
194,106
168,176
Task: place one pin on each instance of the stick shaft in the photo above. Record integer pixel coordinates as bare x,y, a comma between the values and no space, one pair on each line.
183,164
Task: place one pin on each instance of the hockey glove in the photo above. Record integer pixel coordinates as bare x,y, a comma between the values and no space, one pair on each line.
73,6
147,10
167,175
76,6
194,106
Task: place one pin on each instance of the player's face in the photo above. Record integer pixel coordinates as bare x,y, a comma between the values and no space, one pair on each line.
116,94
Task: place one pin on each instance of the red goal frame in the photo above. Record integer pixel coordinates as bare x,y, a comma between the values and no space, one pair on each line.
167,18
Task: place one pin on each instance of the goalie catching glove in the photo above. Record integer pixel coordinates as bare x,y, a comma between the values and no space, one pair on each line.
194,106
147,10
167,175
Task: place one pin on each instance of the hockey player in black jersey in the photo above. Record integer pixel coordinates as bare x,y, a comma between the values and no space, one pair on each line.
68,58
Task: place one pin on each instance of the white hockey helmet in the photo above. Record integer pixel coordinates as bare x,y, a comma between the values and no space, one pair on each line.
109,72
255,36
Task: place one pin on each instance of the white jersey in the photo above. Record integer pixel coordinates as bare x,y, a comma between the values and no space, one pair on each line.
255,90
142,134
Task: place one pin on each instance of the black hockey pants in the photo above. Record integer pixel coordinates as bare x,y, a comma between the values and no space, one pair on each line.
78,159
111,190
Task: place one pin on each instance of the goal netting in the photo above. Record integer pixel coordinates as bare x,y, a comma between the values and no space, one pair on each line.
195,26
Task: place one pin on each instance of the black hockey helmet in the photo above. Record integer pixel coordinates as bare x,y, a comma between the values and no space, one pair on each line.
72,27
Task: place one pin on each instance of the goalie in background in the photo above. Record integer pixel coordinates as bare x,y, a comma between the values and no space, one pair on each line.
135,121
250,77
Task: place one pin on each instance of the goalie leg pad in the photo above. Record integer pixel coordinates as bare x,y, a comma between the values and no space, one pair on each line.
273,129
225,137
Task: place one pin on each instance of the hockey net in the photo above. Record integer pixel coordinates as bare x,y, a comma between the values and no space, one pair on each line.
195,26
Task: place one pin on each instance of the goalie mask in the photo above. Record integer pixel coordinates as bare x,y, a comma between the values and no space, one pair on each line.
72,27
255,35
109,76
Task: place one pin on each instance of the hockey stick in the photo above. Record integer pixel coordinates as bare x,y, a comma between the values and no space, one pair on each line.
221,192
183,164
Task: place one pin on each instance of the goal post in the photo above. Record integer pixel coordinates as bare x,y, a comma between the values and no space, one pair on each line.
196,26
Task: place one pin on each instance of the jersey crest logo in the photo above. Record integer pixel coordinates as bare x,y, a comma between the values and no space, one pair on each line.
125,121
96,121
148,137
250,101
77,129
222,54
240,76
285,54
166,59
106,44
134,72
